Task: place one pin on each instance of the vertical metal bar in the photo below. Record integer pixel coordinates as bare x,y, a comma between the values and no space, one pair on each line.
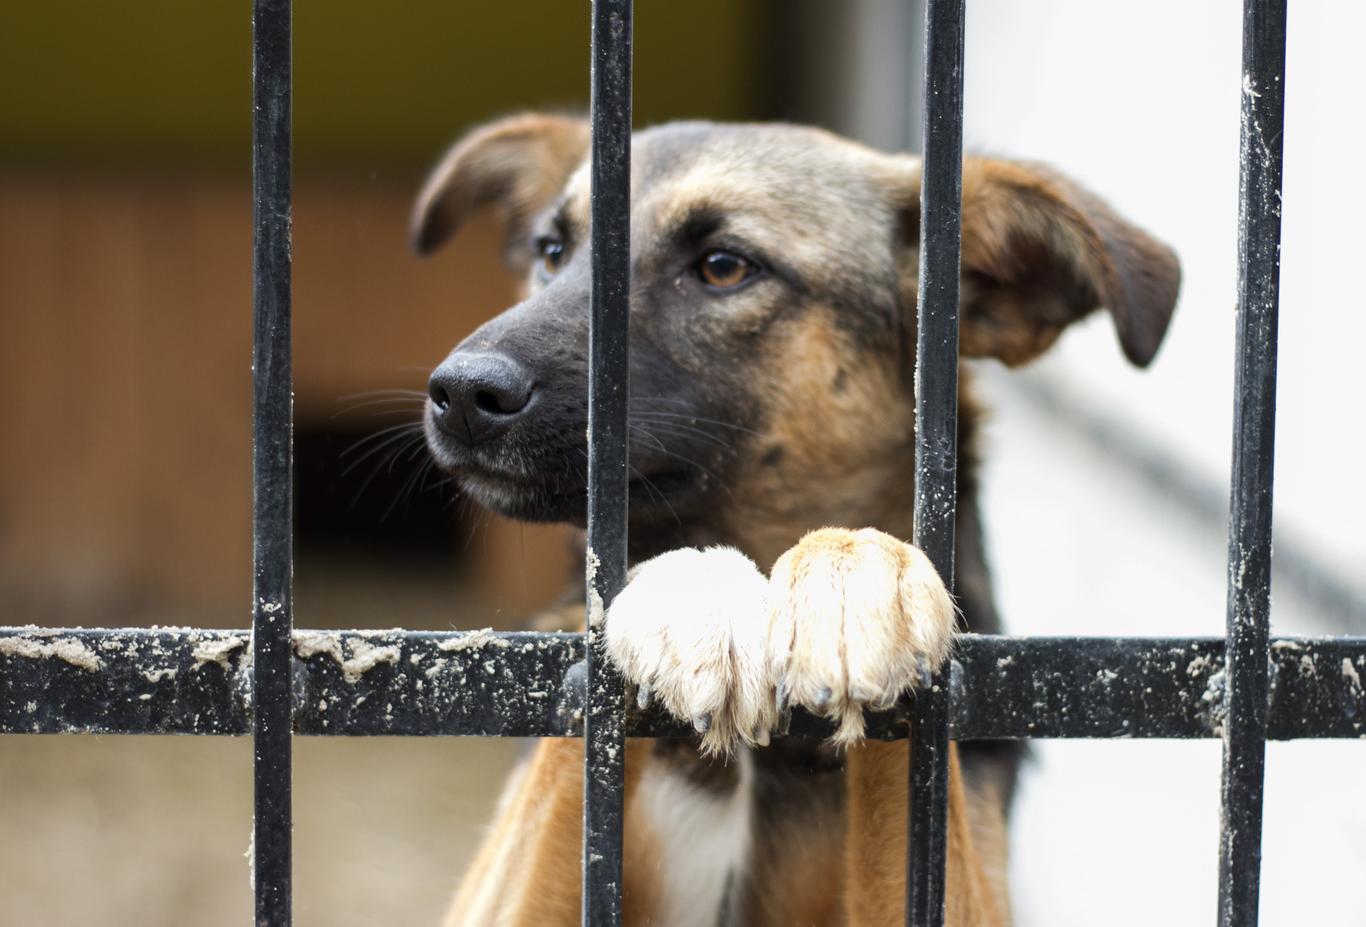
1254,431
936,458
272,605
604,782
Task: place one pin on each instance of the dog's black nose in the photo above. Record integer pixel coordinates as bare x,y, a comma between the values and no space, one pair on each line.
476,397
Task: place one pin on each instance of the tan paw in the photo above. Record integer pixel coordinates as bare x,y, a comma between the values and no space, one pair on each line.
856,618
688,631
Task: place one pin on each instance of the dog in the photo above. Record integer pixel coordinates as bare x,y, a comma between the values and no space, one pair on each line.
772,425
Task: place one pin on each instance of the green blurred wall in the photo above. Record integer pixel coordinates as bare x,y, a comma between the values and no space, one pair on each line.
166,83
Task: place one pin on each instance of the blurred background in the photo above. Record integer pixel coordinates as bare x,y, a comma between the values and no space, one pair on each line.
125,242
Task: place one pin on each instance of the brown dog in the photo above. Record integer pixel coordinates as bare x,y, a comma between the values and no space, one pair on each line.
772,356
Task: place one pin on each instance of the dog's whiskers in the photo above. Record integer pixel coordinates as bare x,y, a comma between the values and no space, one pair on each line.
663,449
386,438
646,434
391,405
405,492
679,430
380,433
655,492
397,448
691,418
481,520
377,393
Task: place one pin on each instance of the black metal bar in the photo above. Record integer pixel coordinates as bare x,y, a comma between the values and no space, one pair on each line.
936,458
1254,430
418,684
124,681
478,683
272,467
604,781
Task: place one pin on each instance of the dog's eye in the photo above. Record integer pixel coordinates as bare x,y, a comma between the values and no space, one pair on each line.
724,270
550,251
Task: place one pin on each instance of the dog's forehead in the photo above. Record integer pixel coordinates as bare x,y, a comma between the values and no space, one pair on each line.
777,171
767,149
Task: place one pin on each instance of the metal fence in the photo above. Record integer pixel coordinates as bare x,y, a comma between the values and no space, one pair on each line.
277,682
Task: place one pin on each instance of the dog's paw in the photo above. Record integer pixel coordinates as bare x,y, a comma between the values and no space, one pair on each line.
855,619
688,631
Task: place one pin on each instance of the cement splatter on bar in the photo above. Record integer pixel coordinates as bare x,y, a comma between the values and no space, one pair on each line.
68,649
354,654
217,650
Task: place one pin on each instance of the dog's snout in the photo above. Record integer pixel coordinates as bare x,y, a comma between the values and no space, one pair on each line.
476,397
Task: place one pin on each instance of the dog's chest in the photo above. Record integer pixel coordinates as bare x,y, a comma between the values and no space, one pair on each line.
703,837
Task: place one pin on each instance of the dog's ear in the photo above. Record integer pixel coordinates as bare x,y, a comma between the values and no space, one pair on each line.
1040,253
519,163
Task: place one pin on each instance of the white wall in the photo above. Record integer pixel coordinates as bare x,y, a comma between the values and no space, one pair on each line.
1125,833
1140,102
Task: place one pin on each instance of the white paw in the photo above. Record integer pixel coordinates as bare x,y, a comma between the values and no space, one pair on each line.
855,619
849,620
689,631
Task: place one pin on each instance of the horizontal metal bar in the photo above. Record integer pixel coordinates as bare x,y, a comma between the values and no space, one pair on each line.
164,681
411,683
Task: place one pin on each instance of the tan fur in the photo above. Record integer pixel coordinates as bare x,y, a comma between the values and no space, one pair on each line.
855,616
813,226
527,873
875,854
811,874
835,464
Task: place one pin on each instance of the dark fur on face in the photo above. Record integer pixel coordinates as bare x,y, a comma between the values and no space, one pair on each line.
772,321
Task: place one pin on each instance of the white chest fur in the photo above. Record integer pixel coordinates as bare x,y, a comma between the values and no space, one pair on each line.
704,838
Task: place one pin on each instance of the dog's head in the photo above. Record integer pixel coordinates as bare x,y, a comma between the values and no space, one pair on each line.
772,315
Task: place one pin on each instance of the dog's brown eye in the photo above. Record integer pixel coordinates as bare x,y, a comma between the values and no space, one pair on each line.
551,253
724,270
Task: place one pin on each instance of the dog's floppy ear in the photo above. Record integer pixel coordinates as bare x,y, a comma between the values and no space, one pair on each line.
520,163
1040,253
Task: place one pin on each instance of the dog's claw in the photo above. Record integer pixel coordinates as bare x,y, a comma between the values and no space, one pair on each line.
784,721
642,696
823,698
782,695
926,672
761,736
702,723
